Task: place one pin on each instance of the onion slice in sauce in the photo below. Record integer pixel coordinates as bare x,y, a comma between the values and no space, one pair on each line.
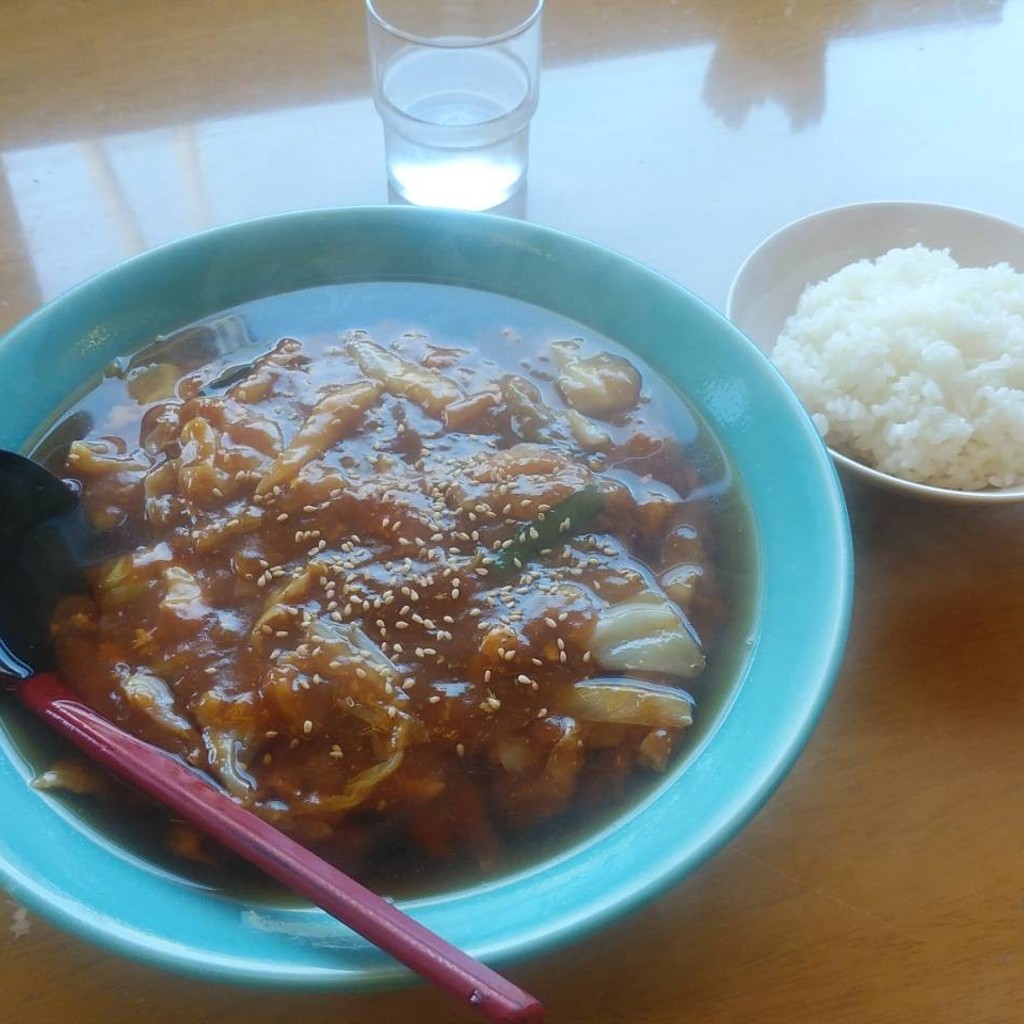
646,633
617,700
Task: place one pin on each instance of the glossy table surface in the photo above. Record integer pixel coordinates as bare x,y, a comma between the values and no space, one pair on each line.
884,881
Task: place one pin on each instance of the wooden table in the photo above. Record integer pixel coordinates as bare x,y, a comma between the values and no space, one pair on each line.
885,880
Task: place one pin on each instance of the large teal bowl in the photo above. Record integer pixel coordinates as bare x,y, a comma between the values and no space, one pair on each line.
81,877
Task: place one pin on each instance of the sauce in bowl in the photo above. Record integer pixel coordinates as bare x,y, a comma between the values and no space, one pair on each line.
428,603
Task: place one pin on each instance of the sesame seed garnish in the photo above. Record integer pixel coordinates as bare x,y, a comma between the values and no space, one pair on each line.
307,726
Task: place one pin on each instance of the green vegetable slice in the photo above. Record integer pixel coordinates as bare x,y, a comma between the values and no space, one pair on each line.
563,520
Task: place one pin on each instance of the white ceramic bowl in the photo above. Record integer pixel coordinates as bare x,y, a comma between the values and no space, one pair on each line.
767,286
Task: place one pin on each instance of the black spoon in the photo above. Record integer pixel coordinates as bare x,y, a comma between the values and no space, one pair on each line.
44,542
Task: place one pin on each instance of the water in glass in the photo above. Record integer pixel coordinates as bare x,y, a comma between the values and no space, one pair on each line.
458,125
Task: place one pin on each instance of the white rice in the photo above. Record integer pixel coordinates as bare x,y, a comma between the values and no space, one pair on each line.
915,365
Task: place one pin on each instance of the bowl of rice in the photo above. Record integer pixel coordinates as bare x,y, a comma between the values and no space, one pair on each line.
900,325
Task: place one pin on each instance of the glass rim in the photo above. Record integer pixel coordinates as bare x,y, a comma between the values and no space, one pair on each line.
447,42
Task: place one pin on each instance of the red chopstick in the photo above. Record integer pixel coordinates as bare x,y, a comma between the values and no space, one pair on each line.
171,781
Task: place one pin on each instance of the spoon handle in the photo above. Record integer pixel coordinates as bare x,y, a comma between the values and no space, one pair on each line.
175,784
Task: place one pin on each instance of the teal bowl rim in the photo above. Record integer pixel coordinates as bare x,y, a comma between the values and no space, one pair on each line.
303,947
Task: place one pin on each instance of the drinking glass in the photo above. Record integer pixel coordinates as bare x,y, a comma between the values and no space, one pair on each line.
456,84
